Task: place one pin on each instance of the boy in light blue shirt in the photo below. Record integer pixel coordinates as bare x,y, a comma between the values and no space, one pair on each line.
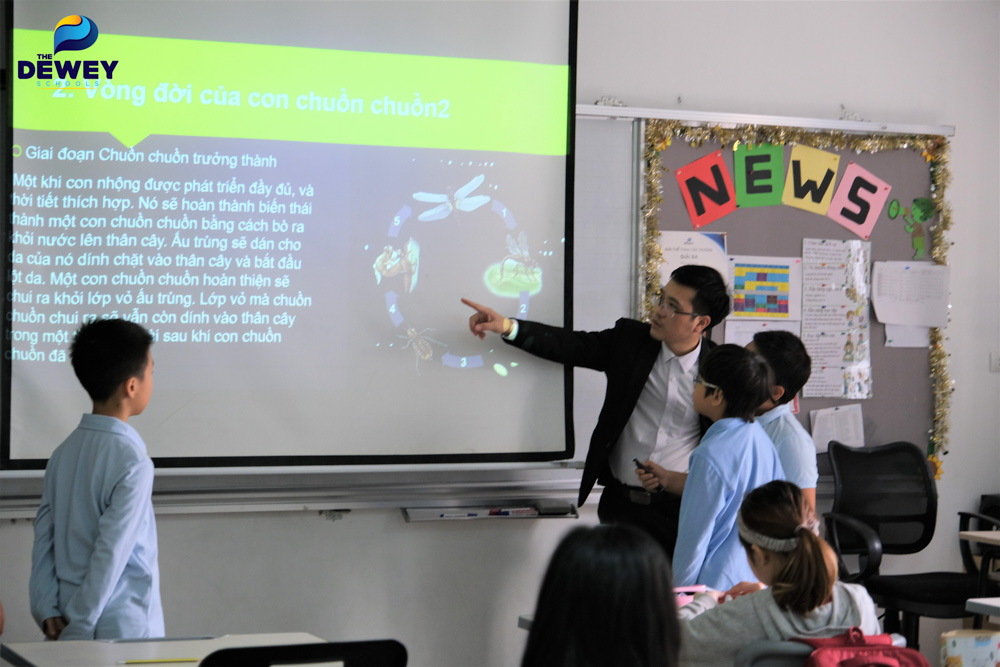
94,569
791,365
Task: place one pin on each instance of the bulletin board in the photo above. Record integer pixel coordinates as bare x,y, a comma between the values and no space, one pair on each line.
898,205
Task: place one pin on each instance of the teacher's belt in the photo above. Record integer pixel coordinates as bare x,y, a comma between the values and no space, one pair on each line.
636,494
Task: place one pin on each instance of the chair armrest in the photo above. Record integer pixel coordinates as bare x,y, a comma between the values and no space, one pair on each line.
965,519
870,560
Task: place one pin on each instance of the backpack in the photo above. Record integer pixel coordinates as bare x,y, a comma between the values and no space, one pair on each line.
854,649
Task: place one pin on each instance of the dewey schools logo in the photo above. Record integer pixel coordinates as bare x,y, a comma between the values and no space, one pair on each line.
72,33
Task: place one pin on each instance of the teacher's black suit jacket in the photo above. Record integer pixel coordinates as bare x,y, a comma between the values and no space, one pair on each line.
625,354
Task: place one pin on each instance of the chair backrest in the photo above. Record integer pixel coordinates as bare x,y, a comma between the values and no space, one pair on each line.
890,488
375,653
772,653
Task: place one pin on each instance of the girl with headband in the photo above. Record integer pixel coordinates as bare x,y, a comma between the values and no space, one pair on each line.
803,597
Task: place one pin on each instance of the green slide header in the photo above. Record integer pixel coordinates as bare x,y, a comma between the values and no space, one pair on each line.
219,89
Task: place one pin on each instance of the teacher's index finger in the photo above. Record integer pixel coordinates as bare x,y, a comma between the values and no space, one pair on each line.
473,304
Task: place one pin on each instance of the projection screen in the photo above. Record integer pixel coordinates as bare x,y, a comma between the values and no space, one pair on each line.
293,197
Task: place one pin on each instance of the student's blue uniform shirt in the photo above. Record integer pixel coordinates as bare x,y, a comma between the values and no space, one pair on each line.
734,458
94,560
794,444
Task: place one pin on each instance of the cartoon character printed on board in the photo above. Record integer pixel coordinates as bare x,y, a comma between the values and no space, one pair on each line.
916,217
849,349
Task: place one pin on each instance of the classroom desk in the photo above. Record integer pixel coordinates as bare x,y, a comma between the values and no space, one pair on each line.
109,653
991,537
988,606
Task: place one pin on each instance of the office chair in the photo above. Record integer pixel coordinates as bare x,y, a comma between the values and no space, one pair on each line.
376,653
885,502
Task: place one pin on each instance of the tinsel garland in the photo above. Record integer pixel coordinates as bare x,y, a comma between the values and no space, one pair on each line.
933,148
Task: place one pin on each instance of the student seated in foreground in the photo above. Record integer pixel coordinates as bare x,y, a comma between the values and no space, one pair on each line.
734,457
94,570
791,365
777,529
606,599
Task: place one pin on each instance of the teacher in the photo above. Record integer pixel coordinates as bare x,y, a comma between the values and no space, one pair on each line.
648,412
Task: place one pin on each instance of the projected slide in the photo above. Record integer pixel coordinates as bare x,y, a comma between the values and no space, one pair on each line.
294,214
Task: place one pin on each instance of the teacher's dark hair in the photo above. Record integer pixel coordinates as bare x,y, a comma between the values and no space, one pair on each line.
607,599
711,297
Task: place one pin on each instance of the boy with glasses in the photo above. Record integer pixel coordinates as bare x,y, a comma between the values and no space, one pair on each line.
735,457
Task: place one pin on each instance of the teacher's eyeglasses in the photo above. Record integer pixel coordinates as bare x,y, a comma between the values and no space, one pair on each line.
660,302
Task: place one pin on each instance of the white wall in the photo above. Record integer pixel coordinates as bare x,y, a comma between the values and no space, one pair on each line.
933,63
452,591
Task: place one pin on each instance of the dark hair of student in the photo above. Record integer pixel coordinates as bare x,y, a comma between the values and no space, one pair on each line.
743,376
105,353
777,515
607,599
711,296
788,359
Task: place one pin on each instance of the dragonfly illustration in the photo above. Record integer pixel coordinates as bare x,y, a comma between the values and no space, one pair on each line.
446,204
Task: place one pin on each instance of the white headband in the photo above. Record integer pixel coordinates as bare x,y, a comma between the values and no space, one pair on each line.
773,543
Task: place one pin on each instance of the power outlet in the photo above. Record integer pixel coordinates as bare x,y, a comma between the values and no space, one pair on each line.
994,362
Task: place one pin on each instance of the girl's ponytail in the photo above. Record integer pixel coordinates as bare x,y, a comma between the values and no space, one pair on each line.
776,517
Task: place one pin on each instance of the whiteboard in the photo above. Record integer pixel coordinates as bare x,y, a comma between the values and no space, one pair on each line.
605,285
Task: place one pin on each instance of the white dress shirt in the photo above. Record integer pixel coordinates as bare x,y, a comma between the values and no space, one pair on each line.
664,426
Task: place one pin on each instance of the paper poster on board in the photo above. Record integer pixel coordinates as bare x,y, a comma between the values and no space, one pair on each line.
704,248
843,423
766,288
911,293
839,382
835,317
859,200
842,347
835,277
809,184
904,335
707,189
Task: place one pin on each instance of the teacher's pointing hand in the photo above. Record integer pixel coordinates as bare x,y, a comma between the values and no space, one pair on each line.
486,319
